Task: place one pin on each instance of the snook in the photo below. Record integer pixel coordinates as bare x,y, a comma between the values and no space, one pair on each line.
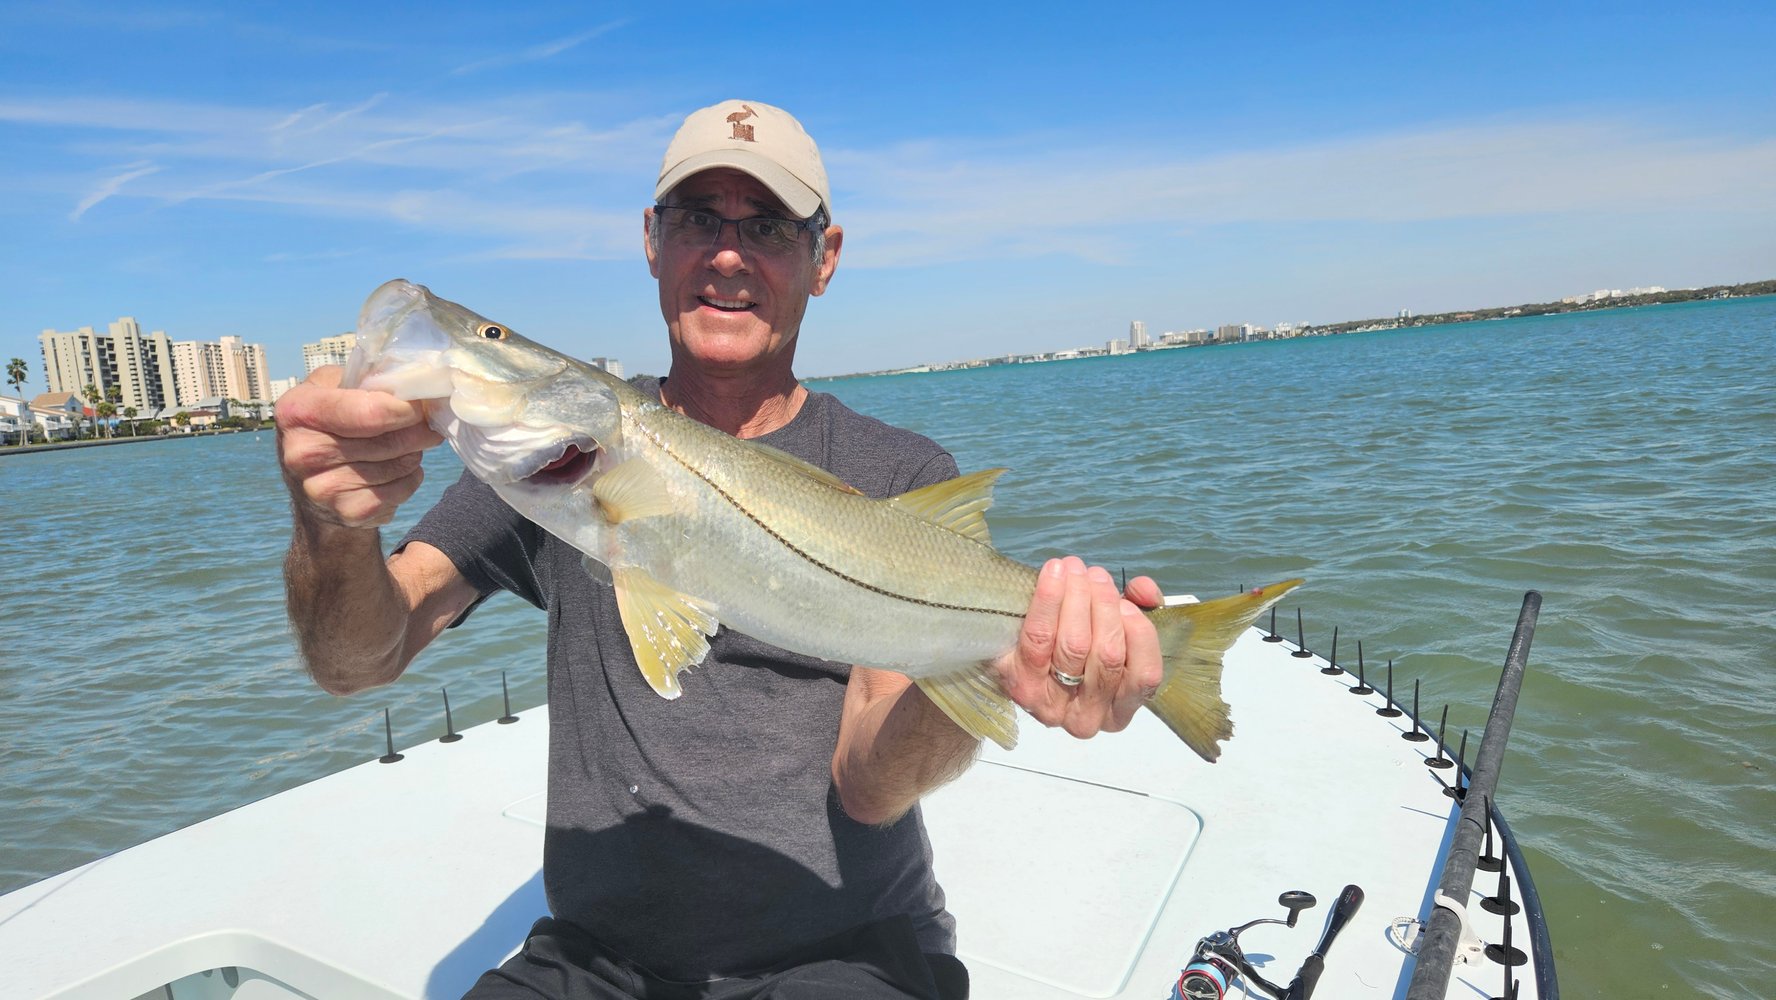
695,528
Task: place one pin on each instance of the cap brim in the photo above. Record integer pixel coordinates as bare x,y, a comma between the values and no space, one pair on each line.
799,198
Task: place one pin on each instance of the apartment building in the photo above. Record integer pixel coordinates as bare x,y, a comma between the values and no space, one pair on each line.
153,372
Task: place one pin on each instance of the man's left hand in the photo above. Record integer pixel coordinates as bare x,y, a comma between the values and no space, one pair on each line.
1079,626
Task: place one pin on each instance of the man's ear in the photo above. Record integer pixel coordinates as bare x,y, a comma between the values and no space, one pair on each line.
823,275
647,242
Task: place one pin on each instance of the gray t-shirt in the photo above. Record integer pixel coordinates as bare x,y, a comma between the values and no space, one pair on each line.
703,837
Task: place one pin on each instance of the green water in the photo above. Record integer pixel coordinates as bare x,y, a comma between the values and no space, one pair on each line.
1623,463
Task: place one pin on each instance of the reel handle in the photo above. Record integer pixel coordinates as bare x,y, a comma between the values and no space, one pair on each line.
1346,907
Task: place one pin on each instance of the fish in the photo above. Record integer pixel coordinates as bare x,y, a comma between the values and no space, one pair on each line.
696,529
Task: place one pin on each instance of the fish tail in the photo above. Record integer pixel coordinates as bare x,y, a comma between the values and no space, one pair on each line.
1192,639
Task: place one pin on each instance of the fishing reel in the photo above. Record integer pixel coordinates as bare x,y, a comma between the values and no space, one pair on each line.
1219,961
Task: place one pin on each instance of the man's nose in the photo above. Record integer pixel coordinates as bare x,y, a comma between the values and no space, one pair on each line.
726,254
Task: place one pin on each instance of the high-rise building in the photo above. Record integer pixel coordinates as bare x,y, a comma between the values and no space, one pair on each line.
279,386
140,367
244,370
199,372
611,365
1138,335
328,351
72,360
153,372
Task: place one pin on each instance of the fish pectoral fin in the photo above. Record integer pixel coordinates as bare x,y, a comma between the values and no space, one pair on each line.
666,629
808,469
974,701
958,504
1193,639
632,489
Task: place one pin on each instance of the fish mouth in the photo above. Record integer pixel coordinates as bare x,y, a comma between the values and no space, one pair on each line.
568,465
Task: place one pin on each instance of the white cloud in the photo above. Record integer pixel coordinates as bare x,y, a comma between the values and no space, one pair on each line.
537,53
928,203
534,177
111,187
317,255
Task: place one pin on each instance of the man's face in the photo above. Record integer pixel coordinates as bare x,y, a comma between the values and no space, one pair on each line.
727,307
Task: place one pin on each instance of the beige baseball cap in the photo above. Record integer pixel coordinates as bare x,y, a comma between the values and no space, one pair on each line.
754,138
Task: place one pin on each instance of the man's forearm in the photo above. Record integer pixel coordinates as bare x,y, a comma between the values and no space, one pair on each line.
894,747
349,614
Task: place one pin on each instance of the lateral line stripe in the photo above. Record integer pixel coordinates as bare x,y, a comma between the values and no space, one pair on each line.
786,543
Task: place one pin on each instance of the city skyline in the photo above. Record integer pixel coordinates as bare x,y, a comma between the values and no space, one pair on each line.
256,173
152,371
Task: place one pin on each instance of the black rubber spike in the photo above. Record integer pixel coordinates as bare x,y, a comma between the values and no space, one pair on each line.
1273,637
1417,735
1502,903
1489,862
1503,953
506,693
1388,711
1332,666
389,731
1442,758
1459,790
450,733
1301,650
1362,682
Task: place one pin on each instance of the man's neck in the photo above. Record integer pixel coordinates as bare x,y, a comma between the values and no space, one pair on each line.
739,406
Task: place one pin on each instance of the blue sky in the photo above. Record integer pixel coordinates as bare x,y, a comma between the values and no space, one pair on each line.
1013,177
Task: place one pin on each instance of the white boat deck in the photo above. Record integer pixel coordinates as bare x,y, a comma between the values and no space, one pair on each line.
1074,869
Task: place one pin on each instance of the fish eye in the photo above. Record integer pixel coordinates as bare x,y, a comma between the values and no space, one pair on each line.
492,331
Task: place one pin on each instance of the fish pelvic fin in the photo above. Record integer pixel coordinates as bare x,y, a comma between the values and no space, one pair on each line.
667,630
958,504
1193,638
631,489
974,701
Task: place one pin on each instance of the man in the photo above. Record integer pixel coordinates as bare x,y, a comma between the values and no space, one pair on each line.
759,836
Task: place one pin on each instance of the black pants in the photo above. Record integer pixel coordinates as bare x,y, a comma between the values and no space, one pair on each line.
879,961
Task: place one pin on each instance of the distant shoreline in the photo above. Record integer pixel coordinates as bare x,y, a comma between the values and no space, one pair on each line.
105,442
1750,289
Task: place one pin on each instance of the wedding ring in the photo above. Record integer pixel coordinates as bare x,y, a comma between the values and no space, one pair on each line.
1065,679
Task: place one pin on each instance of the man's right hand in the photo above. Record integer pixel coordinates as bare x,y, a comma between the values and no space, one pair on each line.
350,457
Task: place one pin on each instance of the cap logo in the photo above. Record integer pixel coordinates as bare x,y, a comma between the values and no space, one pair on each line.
743,132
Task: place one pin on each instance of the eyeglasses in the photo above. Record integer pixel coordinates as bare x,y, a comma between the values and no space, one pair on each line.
765,235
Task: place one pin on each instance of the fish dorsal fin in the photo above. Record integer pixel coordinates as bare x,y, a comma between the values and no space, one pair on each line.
630,489
666,629
958,504
806,468
973,699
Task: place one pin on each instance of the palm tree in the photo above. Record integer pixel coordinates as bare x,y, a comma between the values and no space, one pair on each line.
113,396
16,371
129,414
92,398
